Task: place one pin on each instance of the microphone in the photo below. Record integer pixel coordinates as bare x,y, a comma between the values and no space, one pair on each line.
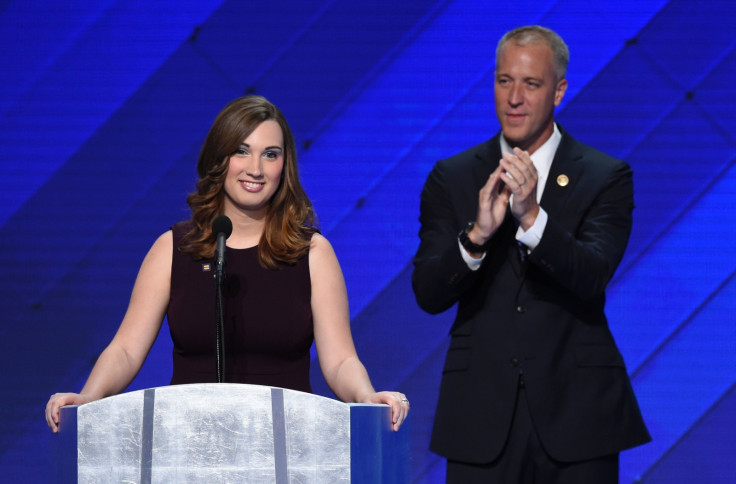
222,227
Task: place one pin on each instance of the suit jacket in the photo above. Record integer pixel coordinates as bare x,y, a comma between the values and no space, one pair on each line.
543,317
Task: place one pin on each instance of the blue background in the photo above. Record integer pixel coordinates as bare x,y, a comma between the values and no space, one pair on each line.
104,105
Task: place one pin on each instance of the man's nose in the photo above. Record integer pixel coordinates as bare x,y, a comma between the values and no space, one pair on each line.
515,96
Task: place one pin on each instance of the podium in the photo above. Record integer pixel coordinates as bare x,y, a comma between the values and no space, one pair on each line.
228,433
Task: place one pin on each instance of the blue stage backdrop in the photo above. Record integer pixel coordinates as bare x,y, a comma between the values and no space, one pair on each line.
103,107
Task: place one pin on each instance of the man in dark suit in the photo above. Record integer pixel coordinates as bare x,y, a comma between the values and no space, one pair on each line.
524,232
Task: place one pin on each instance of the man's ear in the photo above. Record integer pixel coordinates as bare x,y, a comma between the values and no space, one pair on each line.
560,91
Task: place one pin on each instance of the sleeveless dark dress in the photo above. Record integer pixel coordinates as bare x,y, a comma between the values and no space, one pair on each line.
268,320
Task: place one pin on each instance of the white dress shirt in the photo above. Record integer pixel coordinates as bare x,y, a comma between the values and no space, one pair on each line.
542,159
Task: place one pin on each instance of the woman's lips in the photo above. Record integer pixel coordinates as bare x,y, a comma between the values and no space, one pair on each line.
252,186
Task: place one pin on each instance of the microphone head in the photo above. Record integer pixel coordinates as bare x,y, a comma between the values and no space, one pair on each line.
222,225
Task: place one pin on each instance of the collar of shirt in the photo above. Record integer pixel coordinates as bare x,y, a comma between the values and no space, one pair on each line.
542,158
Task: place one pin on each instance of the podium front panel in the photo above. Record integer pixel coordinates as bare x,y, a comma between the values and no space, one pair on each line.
227,433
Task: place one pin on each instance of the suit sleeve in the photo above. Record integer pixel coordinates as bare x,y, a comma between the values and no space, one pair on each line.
440,274
583,259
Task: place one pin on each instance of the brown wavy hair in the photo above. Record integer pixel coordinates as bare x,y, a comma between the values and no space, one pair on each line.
290,220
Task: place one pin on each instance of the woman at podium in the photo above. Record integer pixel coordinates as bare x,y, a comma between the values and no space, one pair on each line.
280,283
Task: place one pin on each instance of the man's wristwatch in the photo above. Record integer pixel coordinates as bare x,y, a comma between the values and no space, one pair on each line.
468,244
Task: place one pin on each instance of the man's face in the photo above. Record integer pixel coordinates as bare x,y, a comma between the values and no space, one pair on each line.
526,91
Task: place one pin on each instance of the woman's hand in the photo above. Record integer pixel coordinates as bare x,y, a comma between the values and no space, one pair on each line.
398,402
59,400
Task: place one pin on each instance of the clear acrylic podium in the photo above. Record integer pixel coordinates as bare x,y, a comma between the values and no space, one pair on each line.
229,433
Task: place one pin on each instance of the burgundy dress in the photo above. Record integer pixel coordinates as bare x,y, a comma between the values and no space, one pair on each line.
268,320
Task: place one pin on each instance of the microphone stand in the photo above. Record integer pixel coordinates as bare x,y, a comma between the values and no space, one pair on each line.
222,227
219,312
220,343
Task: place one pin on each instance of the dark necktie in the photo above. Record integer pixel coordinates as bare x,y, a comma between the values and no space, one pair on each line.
522,249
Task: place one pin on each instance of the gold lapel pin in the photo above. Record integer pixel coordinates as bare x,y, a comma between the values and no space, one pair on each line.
563,180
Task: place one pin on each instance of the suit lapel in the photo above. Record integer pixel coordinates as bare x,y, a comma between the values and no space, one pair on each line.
488,157
564,176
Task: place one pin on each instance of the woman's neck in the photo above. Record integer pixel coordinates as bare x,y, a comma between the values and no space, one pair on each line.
247,231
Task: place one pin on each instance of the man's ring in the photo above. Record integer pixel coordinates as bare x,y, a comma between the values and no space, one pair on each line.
522,183
404,400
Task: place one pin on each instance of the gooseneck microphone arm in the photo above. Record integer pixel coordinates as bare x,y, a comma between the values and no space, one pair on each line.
222,227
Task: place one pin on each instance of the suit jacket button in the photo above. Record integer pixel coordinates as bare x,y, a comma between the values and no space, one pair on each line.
514,362
520,309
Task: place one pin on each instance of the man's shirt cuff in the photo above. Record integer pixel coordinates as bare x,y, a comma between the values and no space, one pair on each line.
531,237
473,263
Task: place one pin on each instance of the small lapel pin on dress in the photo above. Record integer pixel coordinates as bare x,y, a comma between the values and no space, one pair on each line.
563,180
